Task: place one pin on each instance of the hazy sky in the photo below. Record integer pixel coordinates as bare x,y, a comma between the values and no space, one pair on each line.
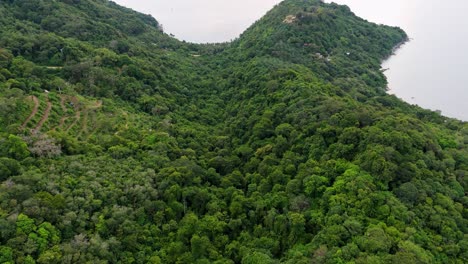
203,20
431,70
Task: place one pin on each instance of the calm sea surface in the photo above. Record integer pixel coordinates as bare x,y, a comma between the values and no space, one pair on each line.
431,70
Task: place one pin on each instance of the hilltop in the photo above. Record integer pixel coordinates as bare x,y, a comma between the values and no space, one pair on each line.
121,144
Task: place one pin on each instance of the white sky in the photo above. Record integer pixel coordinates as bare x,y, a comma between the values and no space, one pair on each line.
203,21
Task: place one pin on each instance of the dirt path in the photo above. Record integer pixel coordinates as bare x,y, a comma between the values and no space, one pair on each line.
84,124
96,105
44,117
64,110
62,103
92,109
62,121
34,111
77,118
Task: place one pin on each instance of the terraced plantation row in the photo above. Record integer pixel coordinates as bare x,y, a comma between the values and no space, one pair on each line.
58,112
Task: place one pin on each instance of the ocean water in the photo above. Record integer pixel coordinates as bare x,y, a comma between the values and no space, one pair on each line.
431,70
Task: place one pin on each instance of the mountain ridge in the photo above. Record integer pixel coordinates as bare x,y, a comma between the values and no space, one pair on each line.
279,147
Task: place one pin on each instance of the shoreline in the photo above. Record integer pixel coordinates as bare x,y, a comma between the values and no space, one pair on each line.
397,47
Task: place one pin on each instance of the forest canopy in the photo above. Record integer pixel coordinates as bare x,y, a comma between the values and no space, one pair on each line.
121,144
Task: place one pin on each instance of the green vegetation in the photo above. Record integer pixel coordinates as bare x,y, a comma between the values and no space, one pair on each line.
280,147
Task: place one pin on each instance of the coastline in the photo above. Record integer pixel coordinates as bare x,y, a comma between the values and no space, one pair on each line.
397,47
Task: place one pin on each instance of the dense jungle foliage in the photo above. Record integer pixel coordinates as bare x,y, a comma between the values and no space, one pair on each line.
121,144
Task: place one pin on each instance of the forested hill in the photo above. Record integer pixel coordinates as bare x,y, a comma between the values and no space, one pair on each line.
121,144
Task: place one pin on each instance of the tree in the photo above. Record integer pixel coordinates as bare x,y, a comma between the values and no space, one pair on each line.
51,256
42,145
6,255
25,225
257,258
8,168
16,147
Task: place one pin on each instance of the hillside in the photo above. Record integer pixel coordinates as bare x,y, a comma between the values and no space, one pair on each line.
121,144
